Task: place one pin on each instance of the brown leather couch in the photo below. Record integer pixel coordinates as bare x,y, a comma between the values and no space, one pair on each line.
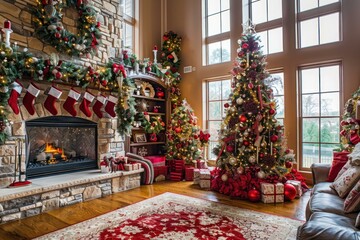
325,218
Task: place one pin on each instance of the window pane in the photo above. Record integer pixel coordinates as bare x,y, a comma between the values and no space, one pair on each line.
278,83
307,4
211,155
326,2
215,111
329,78
225,51
275,40
263,40
309,35
225,5
258,11
129,7
213,6
128,36
214,53
274,9
327,152
226,89
281,121
329,28
310,154
213,26
225,21
310,80
310,105
330,130
330,104
215,90
214,127
280,107
310,130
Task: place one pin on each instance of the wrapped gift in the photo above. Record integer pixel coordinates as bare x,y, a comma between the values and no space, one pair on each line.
204,183
200,164
196,173
205,174
175,176
297,185
128,167
160,170
272,193
189,173
135,166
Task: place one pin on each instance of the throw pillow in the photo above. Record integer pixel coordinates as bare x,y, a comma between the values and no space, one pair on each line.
352,201
354,156
346,181
339,160
357,224
343,169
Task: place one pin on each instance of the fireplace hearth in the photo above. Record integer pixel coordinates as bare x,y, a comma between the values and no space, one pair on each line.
60,144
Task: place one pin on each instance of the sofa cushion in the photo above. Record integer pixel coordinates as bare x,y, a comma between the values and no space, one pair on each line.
323,187
357,224
352,201
323,225
346,181
339,160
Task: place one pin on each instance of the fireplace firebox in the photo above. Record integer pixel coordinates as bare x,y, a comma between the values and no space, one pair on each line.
60,144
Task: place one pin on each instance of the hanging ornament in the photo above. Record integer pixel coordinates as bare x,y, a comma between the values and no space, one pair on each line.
240,170
261,174
230,148
272,111
224,177
246,143
232,160
274,138
242,118
252,159
288,164
239,100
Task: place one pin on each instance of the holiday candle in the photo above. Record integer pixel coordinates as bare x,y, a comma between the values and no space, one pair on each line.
155,48
7,24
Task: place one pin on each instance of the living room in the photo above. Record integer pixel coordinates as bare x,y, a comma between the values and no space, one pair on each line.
114,106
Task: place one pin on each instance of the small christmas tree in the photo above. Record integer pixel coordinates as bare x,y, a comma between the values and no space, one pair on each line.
251,139
183,141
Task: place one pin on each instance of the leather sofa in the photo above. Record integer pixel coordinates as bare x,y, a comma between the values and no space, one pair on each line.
325,218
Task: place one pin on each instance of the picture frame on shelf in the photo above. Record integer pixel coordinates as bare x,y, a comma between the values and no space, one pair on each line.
140,138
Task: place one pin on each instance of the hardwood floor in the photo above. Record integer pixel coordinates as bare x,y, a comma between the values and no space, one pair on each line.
56,219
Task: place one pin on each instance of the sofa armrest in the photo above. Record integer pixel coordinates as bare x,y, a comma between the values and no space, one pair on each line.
320,172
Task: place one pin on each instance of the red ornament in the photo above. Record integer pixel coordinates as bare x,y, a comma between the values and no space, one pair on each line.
288,164
230,148
246,143
98,24
272,111
58,75
178,130
57,35
66,39
253,195
250,85
242,118
274,138
261,155
153,137
226,105
160,94
289,192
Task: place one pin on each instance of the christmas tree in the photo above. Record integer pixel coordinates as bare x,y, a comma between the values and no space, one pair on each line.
183,140
252,144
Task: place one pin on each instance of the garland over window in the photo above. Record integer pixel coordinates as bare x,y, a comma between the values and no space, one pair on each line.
49,28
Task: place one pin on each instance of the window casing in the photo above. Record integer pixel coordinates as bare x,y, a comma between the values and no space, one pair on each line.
319,97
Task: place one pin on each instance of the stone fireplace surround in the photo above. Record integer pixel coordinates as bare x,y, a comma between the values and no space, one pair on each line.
60,190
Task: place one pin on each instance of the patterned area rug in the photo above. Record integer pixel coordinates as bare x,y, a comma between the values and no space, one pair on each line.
174,216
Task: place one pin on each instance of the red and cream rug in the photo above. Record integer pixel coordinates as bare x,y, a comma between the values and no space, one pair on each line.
174,216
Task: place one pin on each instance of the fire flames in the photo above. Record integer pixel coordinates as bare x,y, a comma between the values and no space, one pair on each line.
52,150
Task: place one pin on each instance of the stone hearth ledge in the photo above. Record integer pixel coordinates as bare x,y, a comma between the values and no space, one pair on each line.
56,182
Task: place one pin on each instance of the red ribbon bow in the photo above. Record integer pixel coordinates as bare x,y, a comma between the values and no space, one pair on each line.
119,67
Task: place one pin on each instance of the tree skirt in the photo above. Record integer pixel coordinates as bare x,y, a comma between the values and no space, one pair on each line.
174,216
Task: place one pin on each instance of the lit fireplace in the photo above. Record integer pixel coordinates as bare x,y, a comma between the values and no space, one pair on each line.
60,144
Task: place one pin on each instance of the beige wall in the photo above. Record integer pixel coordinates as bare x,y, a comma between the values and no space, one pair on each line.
185,18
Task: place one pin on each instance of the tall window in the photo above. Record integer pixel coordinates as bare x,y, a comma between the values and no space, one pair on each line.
129,24
217,95
217,31
320,113
267,15
318,22
276,82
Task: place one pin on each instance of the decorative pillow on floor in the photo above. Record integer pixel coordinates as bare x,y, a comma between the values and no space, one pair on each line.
343,169
352,201
346,181
339,160
357,224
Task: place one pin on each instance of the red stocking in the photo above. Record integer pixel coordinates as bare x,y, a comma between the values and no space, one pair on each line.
85,104
29,98
49,104
109,107
100,101
69,104
14,95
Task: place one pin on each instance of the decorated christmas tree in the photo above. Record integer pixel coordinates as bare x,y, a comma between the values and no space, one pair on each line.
349,134
183,141
252,144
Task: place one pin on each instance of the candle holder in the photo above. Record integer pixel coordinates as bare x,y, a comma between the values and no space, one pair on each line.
155,54
7,32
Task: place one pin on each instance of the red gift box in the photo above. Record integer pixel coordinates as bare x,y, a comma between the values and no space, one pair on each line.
175,176
189,173
156,160
160,170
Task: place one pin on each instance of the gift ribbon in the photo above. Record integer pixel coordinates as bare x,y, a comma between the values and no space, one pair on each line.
260,96
226,140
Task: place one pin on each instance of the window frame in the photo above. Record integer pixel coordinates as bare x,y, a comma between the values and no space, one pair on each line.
131,21
319,117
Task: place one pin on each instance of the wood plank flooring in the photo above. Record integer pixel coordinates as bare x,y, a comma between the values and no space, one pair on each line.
60,218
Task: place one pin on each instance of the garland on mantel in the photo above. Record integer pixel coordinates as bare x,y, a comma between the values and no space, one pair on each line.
49,28
15,64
